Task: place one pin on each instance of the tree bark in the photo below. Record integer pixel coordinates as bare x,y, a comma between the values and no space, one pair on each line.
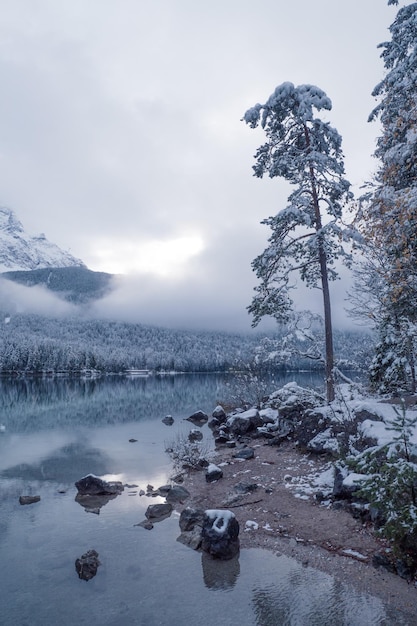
328,328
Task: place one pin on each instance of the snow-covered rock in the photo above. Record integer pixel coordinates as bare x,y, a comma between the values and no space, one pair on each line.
220,534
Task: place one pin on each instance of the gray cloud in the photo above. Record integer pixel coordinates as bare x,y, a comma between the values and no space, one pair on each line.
121,121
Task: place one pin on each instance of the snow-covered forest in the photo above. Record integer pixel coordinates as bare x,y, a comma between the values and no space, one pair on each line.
31,343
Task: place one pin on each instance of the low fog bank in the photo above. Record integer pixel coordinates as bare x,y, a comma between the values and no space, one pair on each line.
192,303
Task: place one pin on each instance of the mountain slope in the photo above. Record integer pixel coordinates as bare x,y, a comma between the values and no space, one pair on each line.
74,284
20,251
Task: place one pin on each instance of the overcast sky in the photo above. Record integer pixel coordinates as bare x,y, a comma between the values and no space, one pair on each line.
121,139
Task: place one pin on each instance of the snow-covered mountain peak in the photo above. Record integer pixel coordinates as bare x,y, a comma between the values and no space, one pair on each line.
9,222
21,251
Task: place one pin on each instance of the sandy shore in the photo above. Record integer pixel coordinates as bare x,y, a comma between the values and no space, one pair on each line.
282,518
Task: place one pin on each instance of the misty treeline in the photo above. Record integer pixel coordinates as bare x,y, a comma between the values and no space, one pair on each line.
323,224
32,343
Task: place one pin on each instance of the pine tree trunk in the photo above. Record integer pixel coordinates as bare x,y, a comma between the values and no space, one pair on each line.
328,329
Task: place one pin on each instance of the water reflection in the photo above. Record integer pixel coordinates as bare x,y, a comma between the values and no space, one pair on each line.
58,431
301,595
42,403
93,504
220,575
67,465
36,404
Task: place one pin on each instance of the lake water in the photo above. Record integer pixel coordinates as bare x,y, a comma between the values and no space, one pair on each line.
59,430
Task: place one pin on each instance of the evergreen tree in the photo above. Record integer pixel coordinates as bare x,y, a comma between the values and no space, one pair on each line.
306,235
391,484
389,217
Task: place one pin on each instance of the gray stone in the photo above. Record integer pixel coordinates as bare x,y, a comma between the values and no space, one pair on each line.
245,422
213,473
177,493
195,435
244,453
219,413
87,565
29,499
168,420
158,512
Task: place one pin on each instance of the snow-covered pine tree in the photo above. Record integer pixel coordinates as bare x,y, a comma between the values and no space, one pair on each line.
307,234
389,218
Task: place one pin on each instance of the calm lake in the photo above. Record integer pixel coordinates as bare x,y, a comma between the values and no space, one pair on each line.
56,431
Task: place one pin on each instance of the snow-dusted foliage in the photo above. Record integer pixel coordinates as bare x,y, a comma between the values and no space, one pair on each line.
389,212
307,235
391,482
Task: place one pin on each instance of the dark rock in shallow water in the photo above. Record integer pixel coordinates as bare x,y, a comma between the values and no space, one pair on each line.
132,440
158,512
168,420
92,485
29,499
198,418
244,453
220,534
87,565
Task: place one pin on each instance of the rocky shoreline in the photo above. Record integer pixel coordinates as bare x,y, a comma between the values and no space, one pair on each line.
283,494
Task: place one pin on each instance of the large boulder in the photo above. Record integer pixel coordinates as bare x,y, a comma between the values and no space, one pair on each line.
246,422
220,534
313,423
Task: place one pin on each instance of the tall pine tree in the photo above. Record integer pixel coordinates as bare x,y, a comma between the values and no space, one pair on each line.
306,235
